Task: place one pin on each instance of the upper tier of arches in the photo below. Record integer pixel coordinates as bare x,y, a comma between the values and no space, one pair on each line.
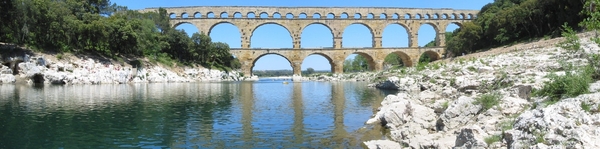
318,13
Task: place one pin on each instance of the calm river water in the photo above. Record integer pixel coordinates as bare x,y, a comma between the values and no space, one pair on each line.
262,114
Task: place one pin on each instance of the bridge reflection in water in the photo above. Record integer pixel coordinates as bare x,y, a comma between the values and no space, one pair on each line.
263,114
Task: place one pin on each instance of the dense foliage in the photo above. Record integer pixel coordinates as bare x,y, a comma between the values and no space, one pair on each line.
100,26
358,64
508,21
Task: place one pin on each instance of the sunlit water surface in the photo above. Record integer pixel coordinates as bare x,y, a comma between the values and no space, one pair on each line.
263,114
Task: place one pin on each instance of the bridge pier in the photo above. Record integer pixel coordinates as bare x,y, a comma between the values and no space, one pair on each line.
337,67
337,42
378,65
441,39
297,67
377,42
247,68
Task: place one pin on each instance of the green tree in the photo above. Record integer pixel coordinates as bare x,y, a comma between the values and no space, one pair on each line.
393,59
310,70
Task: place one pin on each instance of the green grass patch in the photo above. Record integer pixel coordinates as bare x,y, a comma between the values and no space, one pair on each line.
471,68
492,139
566,86
489,100
586,107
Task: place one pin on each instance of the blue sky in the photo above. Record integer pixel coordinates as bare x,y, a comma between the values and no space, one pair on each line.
273,36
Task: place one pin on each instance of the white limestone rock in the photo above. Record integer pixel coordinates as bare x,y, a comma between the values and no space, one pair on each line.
7,78
564,121
382,144
460,112
402,84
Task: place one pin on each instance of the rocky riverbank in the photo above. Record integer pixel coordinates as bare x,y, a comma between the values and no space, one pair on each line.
486,102
30,67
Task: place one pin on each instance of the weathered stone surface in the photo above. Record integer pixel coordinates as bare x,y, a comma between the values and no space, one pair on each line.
382,144
5,70
524,91
7,78
459,112
595,87
569,123
401,84
564,121
471,137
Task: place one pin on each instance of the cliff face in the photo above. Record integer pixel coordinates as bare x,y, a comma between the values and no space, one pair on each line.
486,102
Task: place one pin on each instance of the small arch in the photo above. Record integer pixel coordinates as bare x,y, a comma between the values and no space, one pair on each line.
184,15
427,17
224,15
436,16
445,16
330,16
316,16
277,15
251,15
453,16
302,15
237,15
469,16
370,16
344,16
210,15
264,15
461,16
395,16
382,16
357,16
197,15
289,16
407,16
172,16
418,16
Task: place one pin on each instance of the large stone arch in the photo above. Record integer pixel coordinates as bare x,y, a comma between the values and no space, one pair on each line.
222,22
320,23
406,59
331,30
436,28
291,34
406,27
254,60
186,22
345,26
325,55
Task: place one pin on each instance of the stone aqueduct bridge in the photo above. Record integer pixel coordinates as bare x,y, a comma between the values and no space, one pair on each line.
336,19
